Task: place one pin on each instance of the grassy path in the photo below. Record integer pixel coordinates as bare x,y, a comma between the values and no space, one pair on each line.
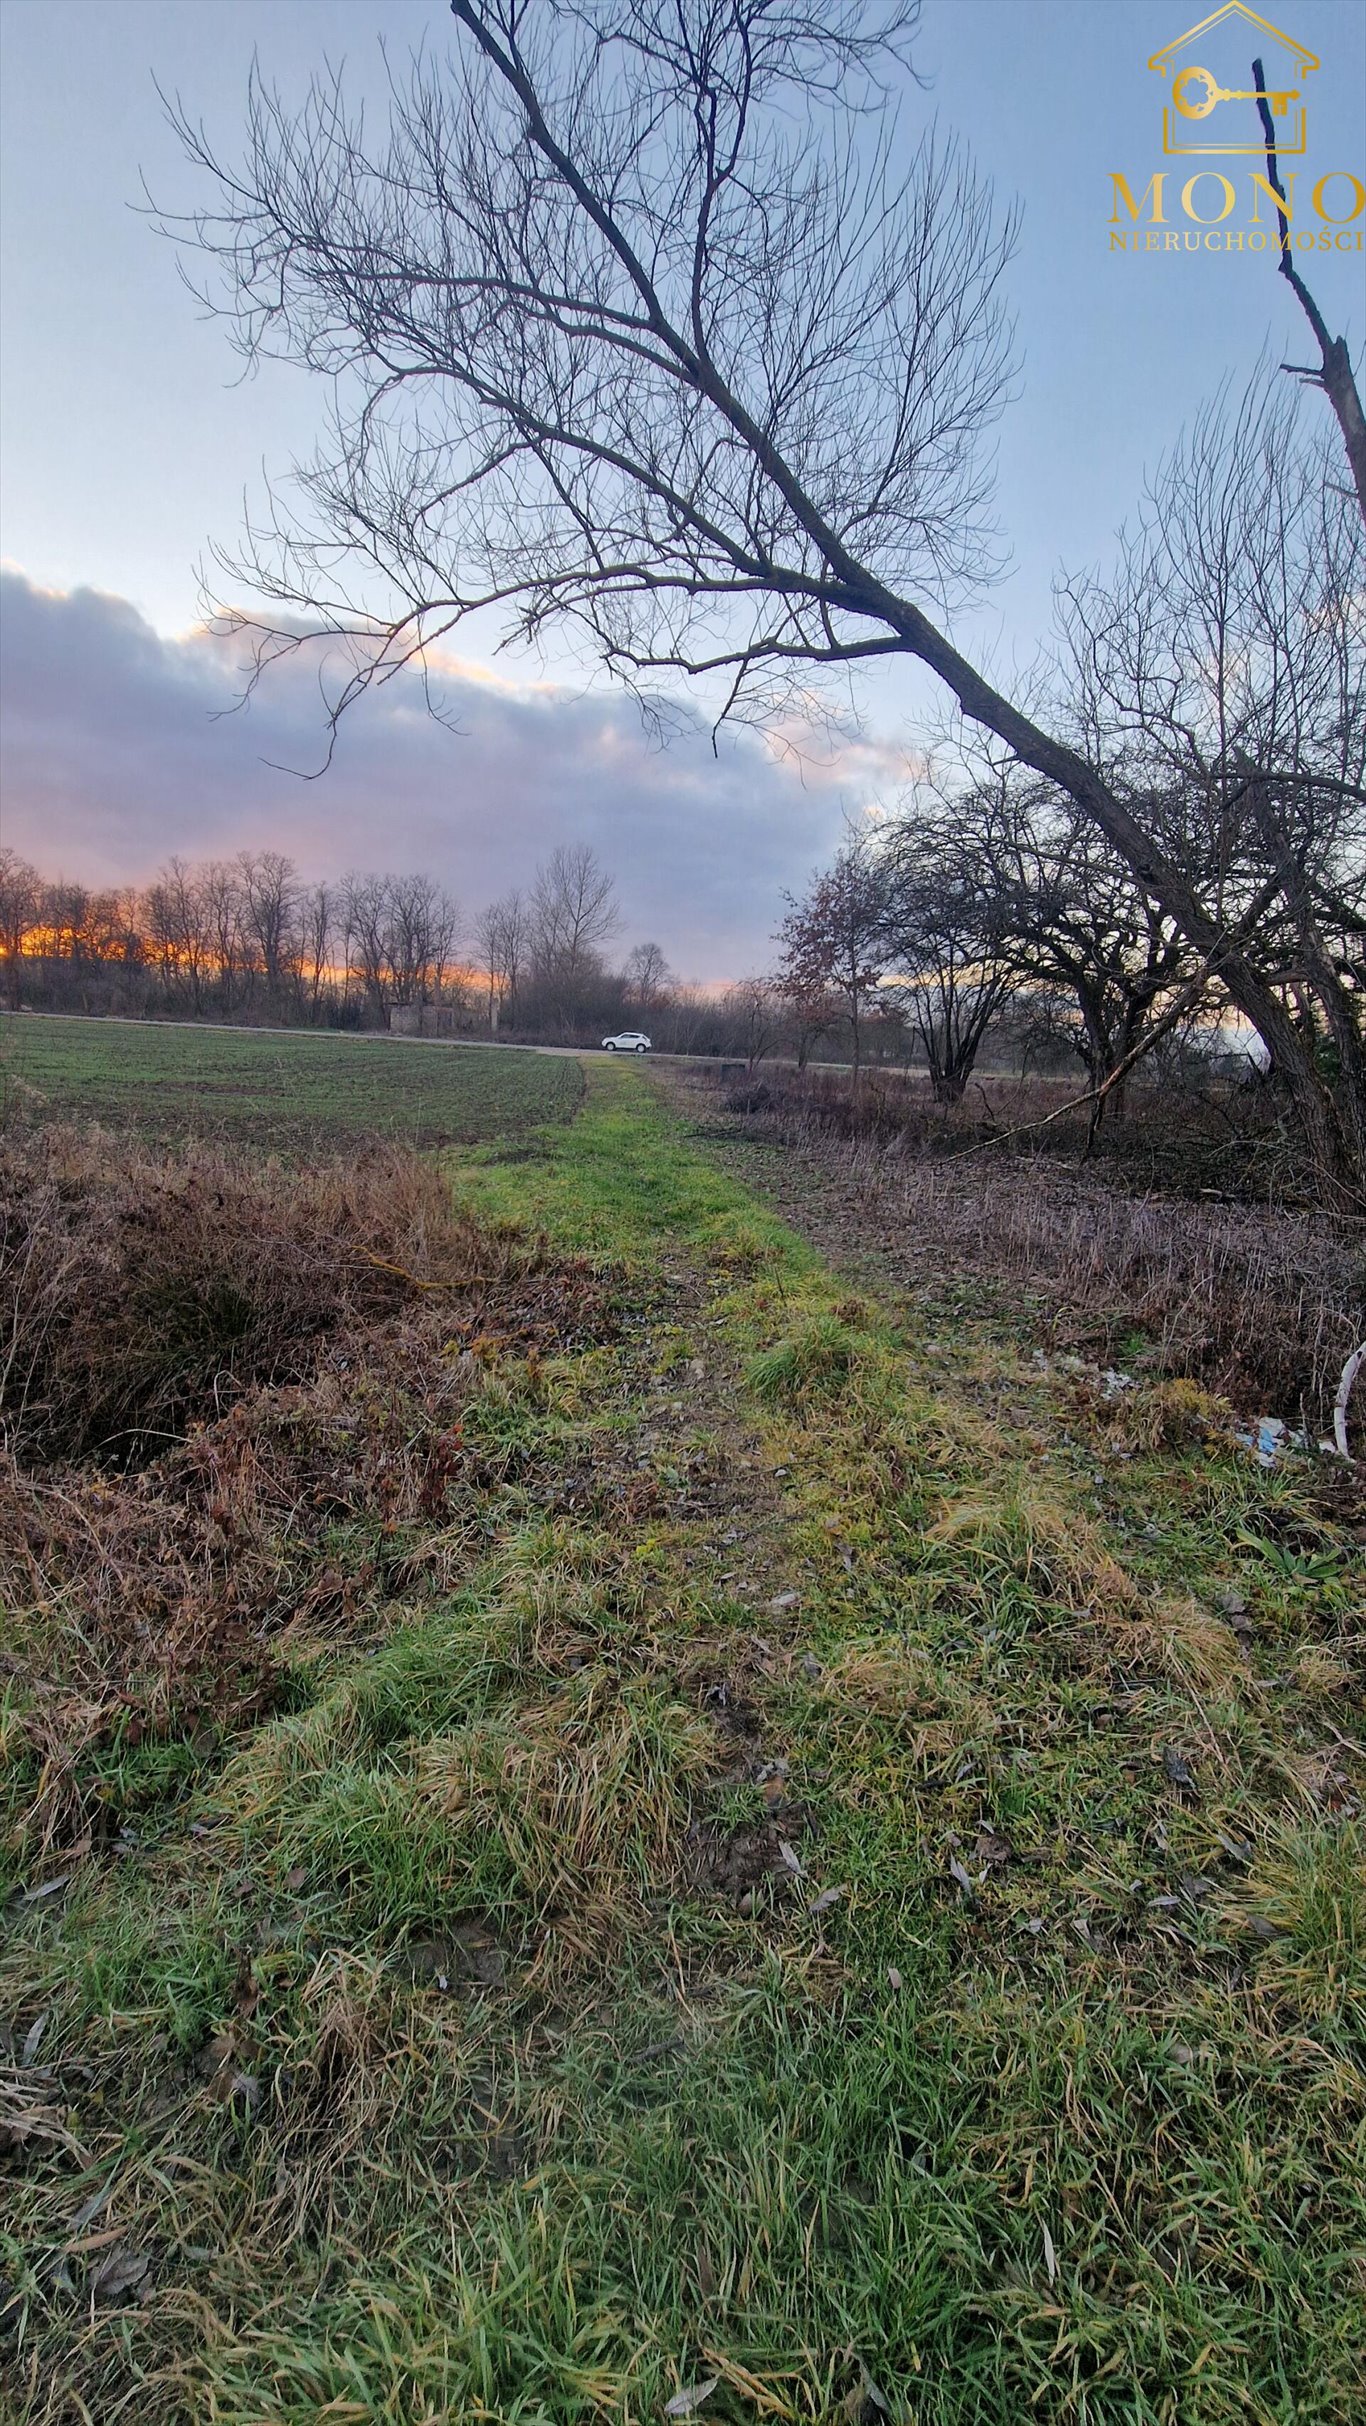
857,1902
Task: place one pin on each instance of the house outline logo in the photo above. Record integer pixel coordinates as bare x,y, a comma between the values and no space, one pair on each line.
1202,111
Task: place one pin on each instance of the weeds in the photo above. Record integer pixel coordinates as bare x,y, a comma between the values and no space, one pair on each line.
1257,1305
141,1293
329,1453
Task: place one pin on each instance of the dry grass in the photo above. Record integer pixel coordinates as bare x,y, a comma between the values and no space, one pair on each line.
1259,1305
235,1420
141,1292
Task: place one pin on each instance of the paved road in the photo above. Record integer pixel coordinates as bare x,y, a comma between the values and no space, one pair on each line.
389,1036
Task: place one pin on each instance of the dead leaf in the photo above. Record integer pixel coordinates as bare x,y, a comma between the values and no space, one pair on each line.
827,1897
1050,2255
295,1878
866,2404
34,2040
1178,1768
789,1855
893,1976
991,1848
959,1875
121,2273
691,2398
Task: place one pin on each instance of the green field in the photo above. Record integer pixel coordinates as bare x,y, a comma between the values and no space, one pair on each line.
280,1089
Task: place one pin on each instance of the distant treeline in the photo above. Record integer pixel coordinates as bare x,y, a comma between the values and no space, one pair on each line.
870,971
251,940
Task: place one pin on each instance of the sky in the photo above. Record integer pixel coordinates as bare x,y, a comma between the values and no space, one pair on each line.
128,445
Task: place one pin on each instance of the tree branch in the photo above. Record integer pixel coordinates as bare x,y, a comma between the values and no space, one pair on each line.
1335,373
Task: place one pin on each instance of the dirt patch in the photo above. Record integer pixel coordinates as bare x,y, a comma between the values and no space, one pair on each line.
468,1956
735,1862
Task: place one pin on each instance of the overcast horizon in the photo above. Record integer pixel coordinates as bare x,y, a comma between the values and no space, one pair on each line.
127,450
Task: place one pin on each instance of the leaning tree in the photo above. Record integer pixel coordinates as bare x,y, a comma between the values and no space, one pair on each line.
633,325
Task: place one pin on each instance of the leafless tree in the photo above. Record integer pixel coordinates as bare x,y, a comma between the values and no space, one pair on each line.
400,934
19,896
686,1017
632,326
647,975
317,912
834,948
365,904
1067,916
943,941
1221,678
572,912
503,943
422,931
178,941
225,928
752,1012
270,906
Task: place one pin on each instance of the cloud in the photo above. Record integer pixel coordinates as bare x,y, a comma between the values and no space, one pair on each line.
115,751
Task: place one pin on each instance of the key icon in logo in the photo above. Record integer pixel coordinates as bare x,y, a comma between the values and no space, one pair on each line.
1195,93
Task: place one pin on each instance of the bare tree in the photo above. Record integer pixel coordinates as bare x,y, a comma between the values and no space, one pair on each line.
688,1012
1221,676
365,904
502,942
177,940
835,949
647,976
317,913
573,909
270,903
943,941
634,328
573,912
752,1011
20,889
421,928
400,934
1068,917
225,928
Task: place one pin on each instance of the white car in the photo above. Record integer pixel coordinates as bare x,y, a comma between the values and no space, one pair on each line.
630,1041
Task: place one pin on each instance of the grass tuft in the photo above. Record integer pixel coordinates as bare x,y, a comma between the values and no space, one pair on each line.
813,1361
